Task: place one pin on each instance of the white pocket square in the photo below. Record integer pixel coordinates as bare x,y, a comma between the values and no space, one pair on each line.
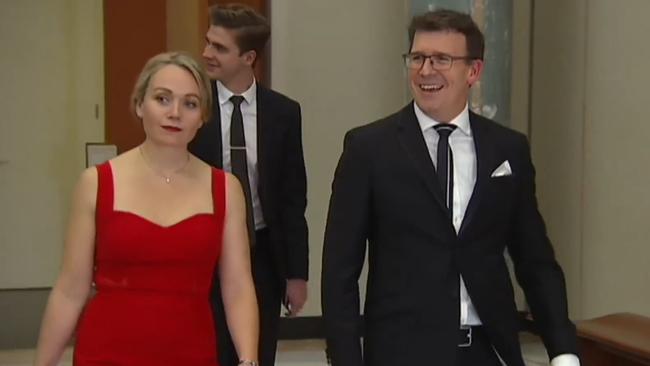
502,170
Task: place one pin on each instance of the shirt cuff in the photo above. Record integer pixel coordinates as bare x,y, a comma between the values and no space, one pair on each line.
566,359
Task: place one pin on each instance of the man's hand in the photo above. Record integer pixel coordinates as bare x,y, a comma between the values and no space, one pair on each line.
296,296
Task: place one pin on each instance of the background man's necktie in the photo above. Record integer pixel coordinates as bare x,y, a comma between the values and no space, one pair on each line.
239,162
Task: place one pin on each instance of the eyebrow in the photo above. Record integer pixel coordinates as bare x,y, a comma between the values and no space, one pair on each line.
431,54
166,90
215,44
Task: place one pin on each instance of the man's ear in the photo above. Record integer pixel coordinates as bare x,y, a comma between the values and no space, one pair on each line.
474,72
250,57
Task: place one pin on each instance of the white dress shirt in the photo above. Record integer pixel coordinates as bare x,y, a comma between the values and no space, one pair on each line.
249,115
464,155
463,150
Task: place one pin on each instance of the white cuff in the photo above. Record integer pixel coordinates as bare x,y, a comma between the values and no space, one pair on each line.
566,359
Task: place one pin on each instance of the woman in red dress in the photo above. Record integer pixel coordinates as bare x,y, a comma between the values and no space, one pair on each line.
147,231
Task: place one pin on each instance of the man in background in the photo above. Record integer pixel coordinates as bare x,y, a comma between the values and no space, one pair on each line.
255,133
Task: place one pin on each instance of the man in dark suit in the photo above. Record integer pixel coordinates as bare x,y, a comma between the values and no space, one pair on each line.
439,193
255,133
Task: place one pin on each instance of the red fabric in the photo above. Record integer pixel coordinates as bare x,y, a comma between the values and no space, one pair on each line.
153,283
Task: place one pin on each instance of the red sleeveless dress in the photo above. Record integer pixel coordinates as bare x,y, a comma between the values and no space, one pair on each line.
152,305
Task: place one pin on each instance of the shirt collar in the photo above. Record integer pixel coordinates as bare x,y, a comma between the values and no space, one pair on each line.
461,120
224,93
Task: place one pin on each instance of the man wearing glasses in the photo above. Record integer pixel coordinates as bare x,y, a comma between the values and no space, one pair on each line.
439,193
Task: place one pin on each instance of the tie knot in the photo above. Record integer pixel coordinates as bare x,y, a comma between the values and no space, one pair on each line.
444,129
236,100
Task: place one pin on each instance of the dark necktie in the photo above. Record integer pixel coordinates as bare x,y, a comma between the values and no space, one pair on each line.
238,161
445,164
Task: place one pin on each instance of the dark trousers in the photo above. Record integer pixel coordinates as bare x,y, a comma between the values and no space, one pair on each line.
270,290
479,353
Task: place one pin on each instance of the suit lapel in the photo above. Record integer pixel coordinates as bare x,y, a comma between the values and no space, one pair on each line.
485,156
412,141
263,134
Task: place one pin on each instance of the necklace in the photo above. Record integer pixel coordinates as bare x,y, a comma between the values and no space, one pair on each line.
167,178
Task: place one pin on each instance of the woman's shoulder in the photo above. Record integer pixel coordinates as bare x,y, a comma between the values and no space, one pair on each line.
89,177
85,192
123,158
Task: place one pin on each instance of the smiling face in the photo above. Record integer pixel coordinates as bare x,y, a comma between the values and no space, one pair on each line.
171,108
442,94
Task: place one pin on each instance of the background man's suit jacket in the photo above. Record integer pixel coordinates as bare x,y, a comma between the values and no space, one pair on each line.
385,190
282,183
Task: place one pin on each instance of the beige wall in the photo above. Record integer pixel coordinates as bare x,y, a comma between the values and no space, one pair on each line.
520,90
589,134
51,72
341,60
556,133
616,255
520,61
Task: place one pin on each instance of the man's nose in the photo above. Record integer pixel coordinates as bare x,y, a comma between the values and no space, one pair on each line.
427,67
207,51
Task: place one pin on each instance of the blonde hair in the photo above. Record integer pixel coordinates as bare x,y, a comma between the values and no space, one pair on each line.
183,61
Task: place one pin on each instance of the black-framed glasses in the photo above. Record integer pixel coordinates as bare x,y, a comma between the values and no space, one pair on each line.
439,61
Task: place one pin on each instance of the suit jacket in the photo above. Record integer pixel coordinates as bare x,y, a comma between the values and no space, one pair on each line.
282,183
385,191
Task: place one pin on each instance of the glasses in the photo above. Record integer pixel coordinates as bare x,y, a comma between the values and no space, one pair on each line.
439,62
